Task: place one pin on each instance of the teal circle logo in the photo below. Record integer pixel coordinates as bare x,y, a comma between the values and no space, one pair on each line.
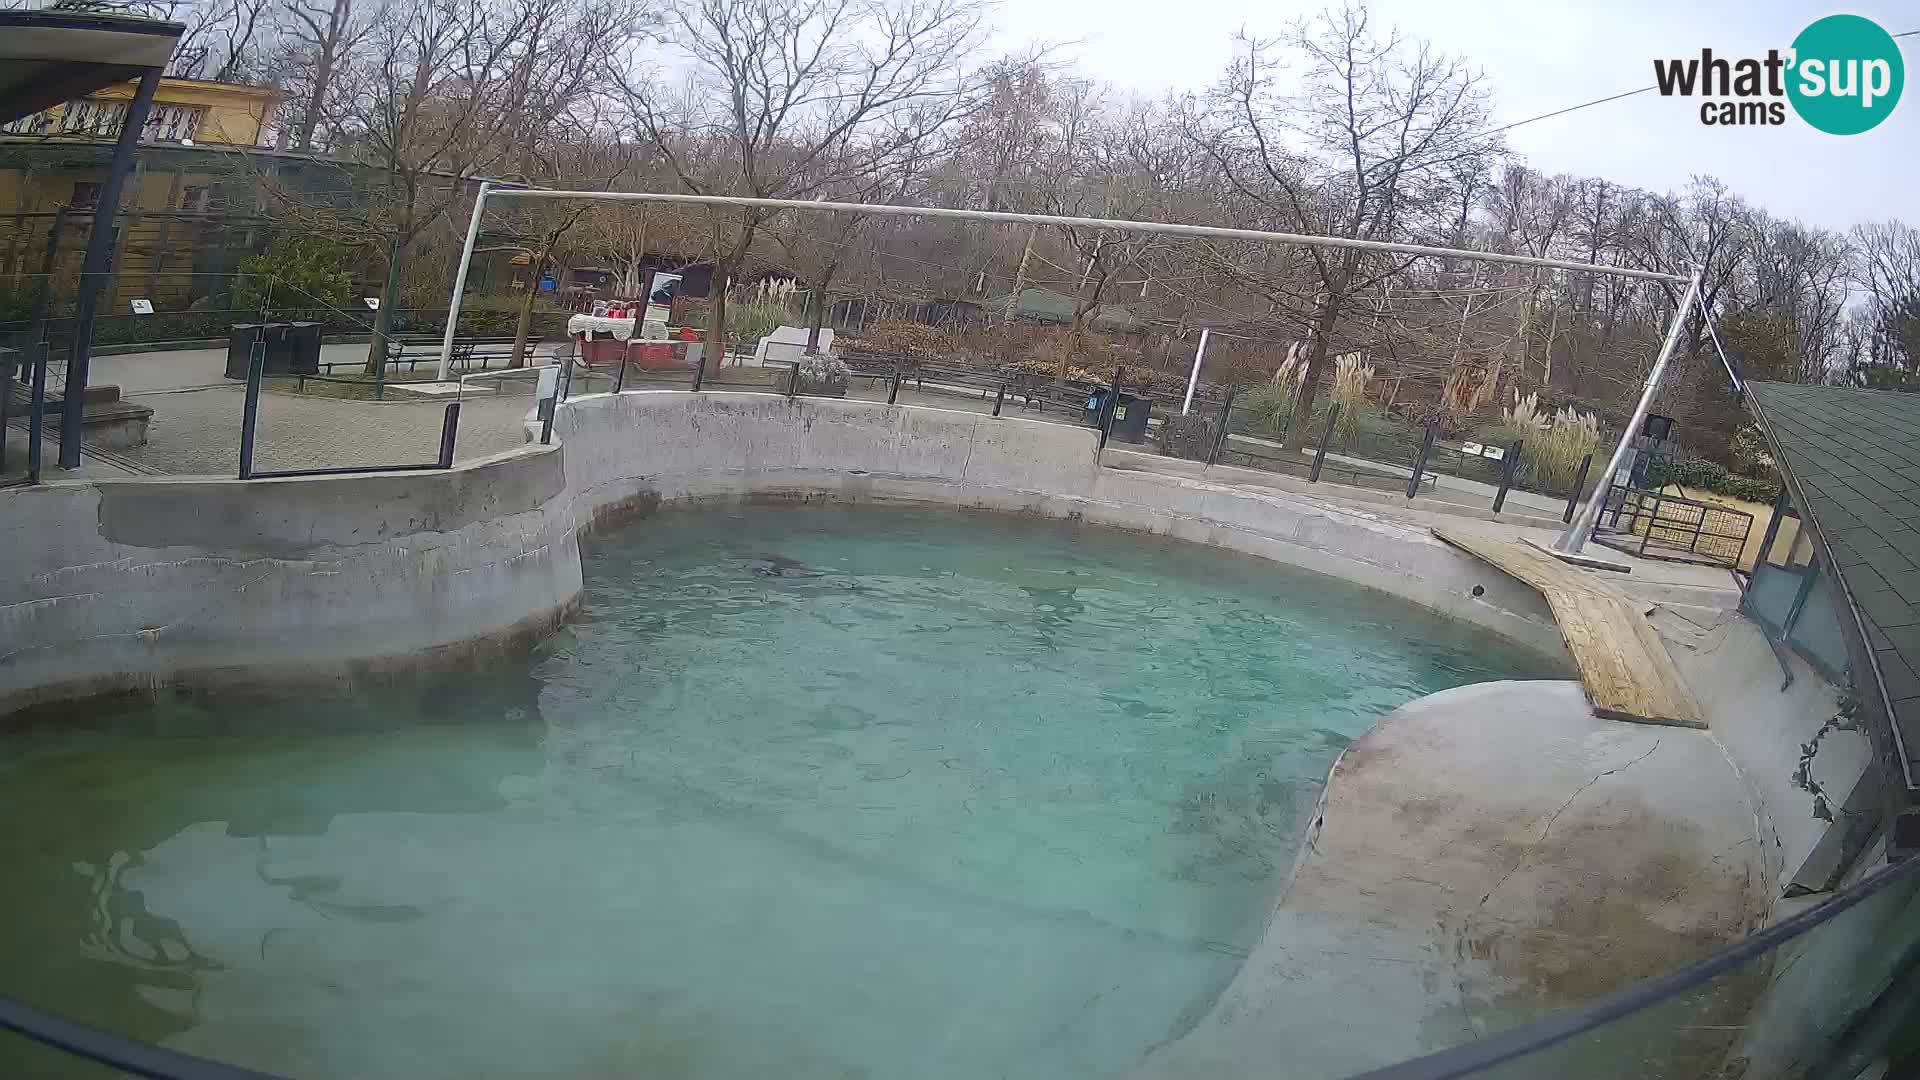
1847,74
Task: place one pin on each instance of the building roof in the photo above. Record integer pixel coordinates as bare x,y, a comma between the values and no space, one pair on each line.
1852,460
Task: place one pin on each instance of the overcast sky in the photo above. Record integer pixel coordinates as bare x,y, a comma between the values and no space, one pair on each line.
1541,55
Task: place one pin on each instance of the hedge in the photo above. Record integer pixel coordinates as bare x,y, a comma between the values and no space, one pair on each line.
1711,476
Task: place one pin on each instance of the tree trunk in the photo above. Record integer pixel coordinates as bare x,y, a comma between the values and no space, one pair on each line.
383,318
323,74
1300,425
520,330
722,280
717,316
817,309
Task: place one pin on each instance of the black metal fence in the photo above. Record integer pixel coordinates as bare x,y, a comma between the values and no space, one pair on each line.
1656,525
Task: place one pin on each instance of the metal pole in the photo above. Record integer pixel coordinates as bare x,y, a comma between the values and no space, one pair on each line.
893,387
1326,437
1420,465
1579,484
449,430
1193,379
999,398
250,407
1580,530
1506,475
37,419
100,250
1220,436
1115,224
460,281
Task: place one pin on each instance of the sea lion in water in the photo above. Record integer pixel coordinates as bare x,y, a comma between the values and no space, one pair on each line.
781,566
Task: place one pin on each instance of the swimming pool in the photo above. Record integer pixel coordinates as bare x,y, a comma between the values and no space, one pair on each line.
804,791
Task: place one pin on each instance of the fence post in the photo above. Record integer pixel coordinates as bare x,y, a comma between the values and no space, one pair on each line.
37,419
1112,410
1507,474
250,407
1579,485
999,398
449,430
893,386
1420,464
1326,437
700,369
6,406
793,379
1220,435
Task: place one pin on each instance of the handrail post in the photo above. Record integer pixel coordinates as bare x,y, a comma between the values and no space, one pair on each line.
37,417
1579,485
1420,464
1326,437
1507,474
1112,411
449,430
250,406
1220,436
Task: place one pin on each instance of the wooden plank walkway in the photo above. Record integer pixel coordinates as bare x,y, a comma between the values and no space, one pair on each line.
1625,667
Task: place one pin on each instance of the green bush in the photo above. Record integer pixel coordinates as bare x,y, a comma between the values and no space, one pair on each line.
1711,476
1265,409
300,270
1191,436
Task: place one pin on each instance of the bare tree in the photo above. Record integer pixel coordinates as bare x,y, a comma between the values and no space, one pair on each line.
1373,148
319,36
786,100
1887,267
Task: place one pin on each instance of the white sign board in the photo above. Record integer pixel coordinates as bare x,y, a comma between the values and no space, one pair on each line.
142,306
373,302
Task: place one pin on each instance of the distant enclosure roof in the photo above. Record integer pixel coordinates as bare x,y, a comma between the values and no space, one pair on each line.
1852,459
51,56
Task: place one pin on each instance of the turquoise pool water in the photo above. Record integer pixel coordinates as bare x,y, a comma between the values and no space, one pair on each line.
804,792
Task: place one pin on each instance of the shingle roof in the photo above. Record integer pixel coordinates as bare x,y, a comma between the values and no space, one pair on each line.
1853,459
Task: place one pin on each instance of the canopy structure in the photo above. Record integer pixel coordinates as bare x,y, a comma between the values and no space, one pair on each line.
52,56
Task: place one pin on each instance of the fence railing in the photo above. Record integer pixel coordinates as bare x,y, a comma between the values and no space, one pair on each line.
1656,525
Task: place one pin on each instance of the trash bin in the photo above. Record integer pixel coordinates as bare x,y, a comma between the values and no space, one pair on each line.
278,337
1129,417
303,348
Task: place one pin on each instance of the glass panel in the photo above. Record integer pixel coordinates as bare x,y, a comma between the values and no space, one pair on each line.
1770,597
1816,632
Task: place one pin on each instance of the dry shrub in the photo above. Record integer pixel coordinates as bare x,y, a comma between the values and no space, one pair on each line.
1555,442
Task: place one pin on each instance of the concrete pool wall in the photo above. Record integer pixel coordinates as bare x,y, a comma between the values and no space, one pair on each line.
126,585
143,583
636,449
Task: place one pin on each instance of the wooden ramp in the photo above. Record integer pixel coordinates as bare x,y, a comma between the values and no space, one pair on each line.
1625,667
